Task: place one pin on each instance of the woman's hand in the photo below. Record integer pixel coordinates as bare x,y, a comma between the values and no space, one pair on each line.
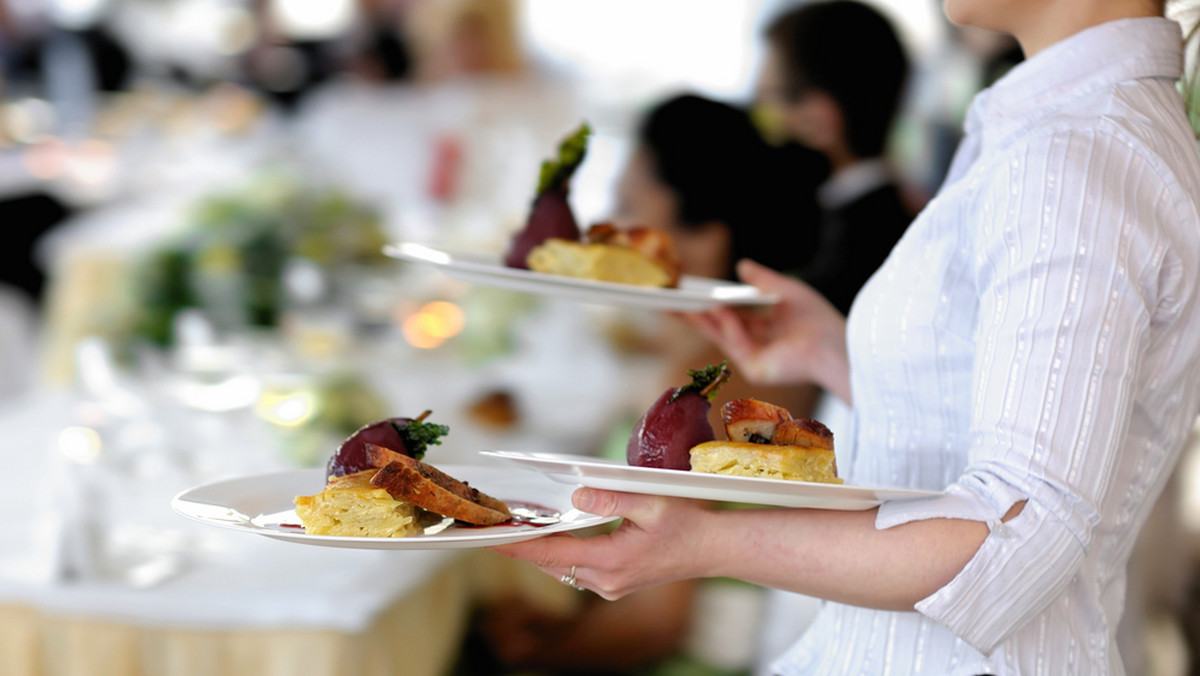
831,554
660,540
801,339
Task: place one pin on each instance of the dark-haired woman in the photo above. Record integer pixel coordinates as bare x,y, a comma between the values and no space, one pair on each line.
1031,347
701,171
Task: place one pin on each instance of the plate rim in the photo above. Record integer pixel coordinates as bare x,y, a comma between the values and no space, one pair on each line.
461,539
568,466
467,262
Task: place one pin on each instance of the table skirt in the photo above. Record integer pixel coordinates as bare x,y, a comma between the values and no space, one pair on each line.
418,635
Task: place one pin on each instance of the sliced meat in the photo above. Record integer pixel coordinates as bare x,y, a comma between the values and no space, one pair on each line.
429,488
752,420
803,432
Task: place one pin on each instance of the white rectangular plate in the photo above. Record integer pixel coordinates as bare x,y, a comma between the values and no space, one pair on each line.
618,476
695,294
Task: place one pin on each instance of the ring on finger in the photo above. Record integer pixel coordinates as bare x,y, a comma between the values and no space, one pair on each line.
569,580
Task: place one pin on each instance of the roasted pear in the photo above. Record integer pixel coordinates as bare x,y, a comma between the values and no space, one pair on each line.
677,421
409,436
551,215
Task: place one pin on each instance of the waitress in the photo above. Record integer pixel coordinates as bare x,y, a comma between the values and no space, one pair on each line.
1031,347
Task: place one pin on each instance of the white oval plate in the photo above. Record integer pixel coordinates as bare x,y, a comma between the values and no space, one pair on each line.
262,505
618,476
695,294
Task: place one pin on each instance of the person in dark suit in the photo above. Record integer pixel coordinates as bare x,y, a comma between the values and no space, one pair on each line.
833,80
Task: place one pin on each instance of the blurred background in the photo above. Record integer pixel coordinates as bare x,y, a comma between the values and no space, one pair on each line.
194,195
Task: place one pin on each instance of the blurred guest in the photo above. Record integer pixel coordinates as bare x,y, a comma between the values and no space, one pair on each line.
833,80
21,40
466,38
288,63
24,220
112,66
380,49
701,172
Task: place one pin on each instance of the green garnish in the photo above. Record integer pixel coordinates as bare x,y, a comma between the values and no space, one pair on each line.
705,381
418,435
555,174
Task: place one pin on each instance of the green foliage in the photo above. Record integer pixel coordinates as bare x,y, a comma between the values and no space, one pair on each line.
706,381
418,435
1189,86
228,259
555,174
164,290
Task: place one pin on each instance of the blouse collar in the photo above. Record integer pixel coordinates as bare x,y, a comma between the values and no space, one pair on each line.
1091,60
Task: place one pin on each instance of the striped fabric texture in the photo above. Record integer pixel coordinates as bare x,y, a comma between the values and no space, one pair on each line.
1034,336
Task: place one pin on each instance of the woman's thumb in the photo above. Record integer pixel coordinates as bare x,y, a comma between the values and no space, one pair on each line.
760,275
633,506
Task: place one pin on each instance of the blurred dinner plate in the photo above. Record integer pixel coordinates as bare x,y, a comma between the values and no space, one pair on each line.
695,294
262,505
616,475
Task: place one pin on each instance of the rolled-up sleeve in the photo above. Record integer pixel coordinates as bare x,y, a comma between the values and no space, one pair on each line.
1067,268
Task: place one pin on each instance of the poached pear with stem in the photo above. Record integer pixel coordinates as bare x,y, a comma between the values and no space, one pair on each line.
677,421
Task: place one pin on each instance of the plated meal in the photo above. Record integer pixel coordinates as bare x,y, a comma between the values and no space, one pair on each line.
262,505
761,439
377,486
551,241
376,492
767,457
633,266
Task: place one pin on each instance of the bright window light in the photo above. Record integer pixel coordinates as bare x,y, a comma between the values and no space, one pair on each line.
313,19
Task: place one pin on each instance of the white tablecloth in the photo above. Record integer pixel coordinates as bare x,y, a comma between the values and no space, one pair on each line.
196,575
94,533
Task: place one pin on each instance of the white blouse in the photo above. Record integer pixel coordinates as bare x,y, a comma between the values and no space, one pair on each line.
1034,336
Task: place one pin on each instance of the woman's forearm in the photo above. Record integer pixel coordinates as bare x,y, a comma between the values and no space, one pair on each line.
836,555
841,556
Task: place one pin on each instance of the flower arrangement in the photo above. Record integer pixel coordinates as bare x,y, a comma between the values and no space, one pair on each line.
229,260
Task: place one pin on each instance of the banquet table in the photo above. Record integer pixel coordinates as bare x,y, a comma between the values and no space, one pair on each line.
141,590
99,576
